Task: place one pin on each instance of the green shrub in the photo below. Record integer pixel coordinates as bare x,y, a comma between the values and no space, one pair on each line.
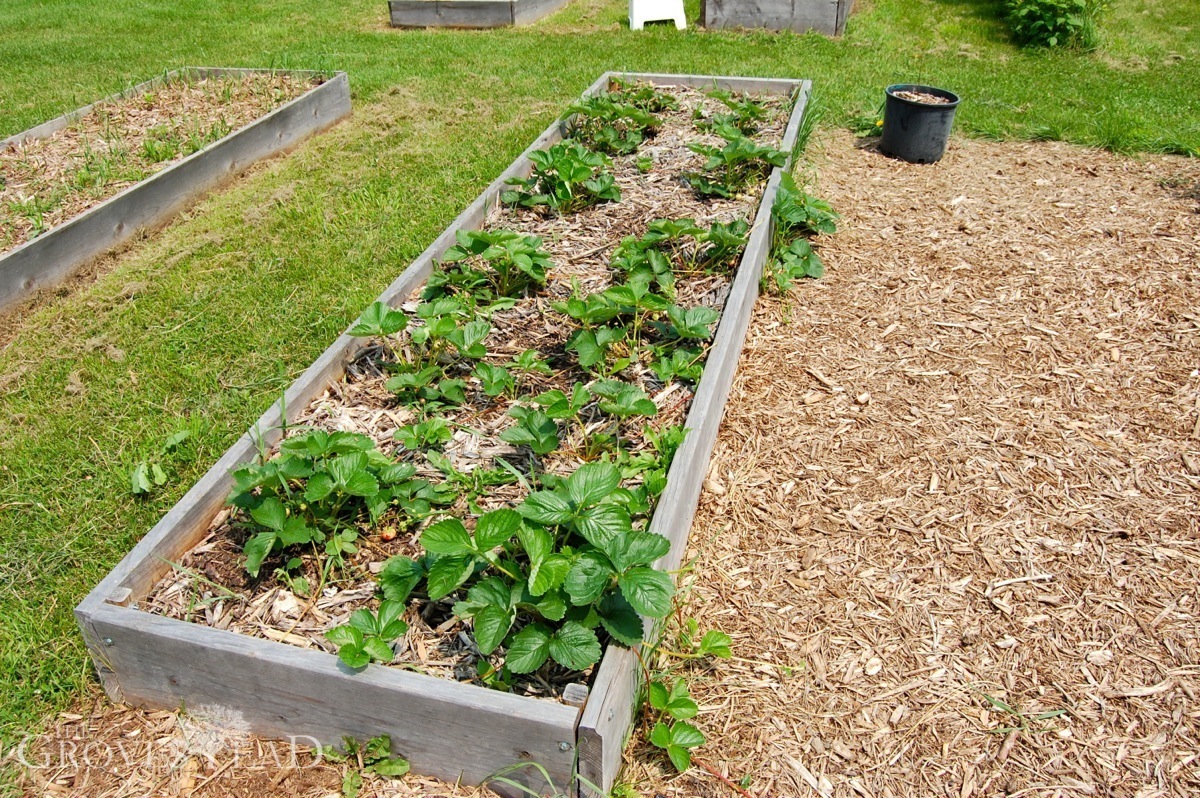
1055,23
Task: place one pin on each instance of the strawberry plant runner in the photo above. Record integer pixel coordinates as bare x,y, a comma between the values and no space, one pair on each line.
283,690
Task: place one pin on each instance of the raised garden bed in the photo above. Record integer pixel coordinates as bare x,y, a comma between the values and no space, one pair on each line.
469,13
96,181
443,727
823,16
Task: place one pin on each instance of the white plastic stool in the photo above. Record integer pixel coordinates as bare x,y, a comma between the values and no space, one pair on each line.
643,11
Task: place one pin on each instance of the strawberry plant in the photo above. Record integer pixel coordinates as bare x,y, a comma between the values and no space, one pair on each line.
730,169
798,213
428,388
746,114
429,434
560,405
683,364
534,428
566,178
591,347
724,242
368,636
608,126
374,756
495,380
787,266
675,246
379,320
797,216
622,400
545,576
317,491
643,96
514,264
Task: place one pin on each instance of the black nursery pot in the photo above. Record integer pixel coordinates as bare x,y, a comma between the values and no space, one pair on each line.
917,132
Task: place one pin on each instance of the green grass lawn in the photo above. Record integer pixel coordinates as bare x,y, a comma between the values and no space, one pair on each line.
201,325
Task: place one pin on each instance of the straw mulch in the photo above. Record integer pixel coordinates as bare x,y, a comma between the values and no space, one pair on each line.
960,473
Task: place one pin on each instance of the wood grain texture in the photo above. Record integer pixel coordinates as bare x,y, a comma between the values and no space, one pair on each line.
469,13
823,16
451,13
445,729
609,715
54,256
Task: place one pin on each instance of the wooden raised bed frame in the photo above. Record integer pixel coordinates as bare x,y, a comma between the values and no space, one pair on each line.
57,254
824,16
469,13
446,729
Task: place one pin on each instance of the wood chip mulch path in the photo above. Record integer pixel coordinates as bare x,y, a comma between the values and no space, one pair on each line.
960,473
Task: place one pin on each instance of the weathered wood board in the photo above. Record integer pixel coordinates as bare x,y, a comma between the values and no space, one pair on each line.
469,13
609,716
60,252
801,16
451,730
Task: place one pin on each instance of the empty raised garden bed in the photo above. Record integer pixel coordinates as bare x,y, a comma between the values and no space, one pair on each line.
469,13
445,728
102,208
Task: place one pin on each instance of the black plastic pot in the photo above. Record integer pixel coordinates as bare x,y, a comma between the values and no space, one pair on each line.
917,132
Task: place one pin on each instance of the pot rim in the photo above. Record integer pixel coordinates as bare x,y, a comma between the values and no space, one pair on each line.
935,91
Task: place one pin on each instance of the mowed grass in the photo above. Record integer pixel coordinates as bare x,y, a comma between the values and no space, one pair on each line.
199,326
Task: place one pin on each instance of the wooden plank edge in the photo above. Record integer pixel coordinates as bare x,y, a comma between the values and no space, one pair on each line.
608,717
50,258
276,690
727,82
52,126
453,14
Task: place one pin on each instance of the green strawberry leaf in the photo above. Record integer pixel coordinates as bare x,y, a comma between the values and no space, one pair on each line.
448,536
648,591
589,577
447,573
592,482
575,646
256,550
528,649
399,576
491,627
495,528
546,507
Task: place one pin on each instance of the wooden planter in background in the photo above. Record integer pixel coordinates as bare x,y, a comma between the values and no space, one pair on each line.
823,16
446,729
469,13
61,251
